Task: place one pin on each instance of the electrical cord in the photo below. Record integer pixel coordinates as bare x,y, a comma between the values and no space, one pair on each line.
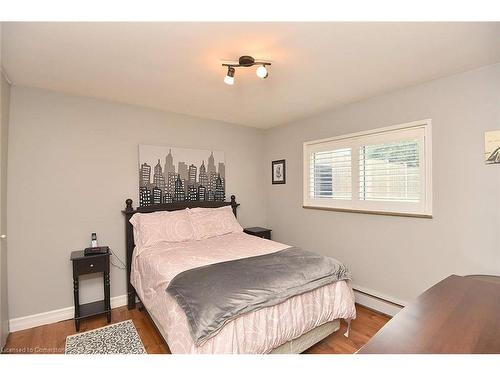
122,266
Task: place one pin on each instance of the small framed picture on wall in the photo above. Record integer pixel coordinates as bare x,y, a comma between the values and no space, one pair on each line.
492,147
278,171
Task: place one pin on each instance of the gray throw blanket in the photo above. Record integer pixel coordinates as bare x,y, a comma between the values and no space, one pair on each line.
213,295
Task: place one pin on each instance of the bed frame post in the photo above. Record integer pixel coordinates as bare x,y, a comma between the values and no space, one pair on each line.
129,235
234,205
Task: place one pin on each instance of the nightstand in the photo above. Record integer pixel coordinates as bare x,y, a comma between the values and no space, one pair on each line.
84,265
259,232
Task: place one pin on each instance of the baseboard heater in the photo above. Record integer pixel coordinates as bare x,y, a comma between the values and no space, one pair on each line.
377,297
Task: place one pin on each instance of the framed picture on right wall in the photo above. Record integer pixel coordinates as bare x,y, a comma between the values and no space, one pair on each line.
278,171
492,147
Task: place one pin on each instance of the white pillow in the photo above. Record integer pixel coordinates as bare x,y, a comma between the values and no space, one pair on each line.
212,222
164,226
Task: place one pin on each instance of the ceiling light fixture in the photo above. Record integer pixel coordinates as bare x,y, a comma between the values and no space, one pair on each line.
246,61
262,72
229,78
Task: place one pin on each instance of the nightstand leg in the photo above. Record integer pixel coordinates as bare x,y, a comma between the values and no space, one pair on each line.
107,296
77,303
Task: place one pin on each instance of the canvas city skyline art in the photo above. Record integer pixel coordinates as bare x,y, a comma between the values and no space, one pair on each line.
172,174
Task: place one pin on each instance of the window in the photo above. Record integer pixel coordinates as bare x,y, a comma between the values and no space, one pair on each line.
386,170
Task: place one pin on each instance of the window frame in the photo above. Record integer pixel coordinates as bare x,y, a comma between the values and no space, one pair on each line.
422,130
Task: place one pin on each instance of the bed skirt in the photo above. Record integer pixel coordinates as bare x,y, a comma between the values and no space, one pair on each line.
308,339
295,346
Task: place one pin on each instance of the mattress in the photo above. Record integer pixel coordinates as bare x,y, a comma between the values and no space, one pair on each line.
259,331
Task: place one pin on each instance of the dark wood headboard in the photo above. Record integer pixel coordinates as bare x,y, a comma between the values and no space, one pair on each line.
129,233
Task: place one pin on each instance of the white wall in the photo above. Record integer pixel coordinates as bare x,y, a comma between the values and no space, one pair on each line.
72,163
396,256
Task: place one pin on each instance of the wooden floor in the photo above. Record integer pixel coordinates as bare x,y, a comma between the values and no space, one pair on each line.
51,338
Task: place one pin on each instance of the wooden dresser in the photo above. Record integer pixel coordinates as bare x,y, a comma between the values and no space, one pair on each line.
457,315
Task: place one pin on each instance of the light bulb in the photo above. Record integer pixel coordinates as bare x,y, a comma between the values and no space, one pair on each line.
229,78
262,72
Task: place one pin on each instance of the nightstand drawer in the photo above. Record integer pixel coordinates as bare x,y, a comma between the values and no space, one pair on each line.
90,265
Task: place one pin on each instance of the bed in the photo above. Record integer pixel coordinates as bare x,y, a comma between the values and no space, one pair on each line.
290,326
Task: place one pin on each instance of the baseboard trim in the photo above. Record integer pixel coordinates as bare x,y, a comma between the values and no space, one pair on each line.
54,316
377,301
371,299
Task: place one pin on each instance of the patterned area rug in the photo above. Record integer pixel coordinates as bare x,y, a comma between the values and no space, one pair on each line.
119,338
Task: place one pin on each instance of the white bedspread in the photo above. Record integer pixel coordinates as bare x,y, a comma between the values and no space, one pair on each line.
256,332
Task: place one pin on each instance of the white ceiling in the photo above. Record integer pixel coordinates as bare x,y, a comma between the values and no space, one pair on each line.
176,66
